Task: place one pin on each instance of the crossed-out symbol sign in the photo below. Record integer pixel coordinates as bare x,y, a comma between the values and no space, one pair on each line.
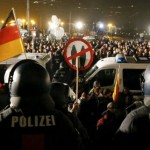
80,48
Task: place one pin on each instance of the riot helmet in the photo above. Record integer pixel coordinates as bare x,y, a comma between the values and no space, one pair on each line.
142,80
60,93
146,81
27,78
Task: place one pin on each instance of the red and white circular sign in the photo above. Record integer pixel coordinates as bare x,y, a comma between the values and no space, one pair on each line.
80,48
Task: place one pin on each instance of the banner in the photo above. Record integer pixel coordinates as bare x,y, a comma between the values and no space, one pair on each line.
11,43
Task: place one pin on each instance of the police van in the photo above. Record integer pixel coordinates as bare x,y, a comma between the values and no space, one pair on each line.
129,69
42,58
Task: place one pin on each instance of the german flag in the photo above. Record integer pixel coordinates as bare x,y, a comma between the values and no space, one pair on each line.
116,89
11,43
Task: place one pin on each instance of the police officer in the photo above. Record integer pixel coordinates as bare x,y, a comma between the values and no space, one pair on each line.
56,59
134,131
31,120
60,93
62,73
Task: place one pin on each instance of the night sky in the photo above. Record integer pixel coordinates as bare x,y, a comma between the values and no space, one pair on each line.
118,12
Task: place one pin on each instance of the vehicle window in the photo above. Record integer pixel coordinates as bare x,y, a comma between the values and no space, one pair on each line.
106,77
3,68
91,71
131,78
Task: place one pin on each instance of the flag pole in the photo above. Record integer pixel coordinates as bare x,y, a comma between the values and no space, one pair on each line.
19,31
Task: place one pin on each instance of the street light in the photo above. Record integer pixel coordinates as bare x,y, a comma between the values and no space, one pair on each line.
79,25
32,23
62,24
2,21
109,27
101,25
23,23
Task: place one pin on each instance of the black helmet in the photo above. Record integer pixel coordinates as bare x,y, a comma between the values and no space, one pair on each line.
26,78
60,93
146,81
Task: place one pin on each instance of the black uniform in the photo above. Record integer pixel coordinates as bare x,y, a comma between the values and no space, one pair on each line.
134,131
43,131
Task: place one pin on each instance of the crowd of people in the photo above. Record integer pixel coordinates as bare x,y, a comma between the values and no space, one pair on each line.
37,111
102,47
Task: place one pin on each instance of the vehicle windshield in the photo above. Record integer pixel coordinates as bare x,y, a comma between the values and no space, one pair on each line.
91,71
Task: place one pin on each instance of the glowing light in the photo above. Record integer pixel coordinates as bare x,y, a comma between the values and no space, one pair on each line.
79,25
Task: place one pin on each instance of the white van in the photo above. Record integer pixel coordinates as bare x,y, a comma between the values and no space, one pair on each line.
129,68
42,58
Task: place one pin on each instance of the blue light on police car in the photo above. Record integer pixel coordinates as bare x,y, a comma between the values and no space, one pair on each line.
120,58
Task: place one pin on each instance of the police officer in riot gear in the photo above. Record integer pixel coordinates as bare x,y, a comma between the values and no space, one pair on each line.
31,120
134,131
60,94
62,74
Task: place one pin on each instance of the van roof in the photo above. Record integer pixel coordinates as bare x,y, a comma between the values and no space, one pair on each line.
41,57
110,62
129,59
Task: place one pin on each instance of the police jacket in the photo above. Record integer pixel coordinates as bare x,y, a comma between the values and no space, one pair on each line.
41,131
134,131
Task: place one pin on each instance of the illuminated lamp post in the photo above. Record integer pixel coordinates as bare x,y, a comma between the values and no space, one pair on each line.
62,24
23,23
28,15
109,27
32,23
79,25
100,27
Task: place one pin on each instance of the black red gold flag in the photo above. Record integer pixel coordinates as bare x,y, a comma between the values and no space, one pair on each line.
11,43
